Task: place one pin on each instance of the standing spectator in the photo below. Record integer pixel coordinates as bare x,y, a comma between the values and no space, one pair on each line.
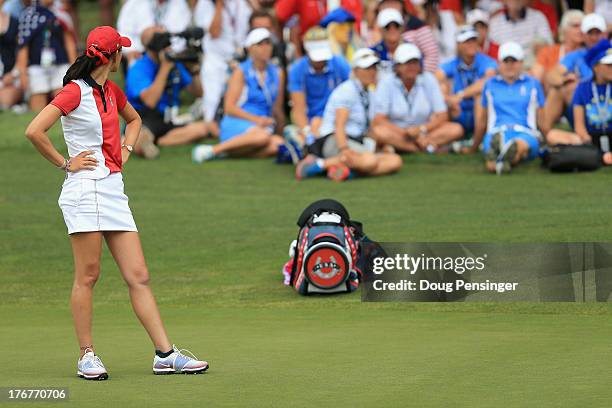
443,26
408,108
154,84
137,15
226,23
463,77
570,37
312,80
520,24
601,7
572,69
247,128
479,19
310,12
391,23
511,112
10,90
342,150
592,104
418,33
46,50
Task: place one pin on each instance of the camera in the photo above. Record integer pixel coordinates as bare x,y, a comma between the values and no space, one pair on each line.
193,44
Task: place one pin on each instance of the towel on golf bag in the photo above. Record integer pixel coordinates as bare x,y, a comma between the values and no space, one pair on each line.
329,253
566,158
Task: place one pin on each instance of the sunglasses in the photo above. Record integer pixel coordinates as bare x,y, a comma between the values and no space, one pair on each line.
392,25
509,60
267,41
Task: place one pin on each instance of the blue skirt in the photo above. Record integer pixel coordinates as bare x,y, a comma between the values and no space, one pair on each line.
231,127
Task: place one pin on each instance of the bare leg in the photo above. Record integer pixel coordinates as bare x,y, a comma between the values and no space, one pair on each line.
86,250
270,149
372,164
9,96
254,139
38,102
385,135
184,134
444,134
522,151
127,251
558,136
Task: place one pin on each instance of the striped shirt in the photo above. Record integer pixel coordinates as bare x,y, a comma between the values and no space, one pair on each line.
422,36
533,26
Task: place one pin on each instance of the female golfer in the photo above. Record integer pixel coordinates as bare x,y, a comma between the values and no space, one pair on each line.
92,198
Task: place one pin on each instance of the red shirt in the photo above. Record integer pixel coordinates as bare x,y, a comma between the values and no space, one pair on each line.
312,11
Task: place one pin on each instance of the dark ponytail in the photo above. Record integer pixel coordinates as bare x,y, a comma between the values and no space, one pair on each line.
82,67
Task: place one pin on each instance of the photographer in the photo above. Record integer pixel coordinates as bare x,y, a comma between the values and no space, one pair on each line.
153,84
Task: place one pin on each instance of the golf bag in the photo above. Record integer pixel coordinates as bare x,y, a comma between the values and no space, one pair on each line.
327,255
567,158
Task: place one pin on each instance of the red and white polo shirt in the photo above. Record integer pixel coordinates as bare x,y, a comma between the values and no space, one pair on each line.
91,122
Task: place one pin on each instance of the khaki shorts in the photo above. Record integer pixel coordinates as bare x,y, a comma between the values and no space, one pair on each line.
330,147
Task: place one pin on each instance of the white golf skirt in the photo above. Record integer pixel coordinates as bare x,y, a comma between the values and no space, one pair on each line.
96,205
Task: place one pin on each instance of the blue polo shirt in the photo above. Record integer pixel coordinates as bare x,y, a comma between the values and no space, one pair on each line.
597,106
462,75
512,104
574,62
141,75
317,86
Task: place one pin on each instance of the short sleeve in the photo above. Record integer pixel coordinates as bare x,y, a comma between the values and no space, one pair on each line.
485,94
569,61
139,78
186,79
346,99
296,78
68,99
435,94
344,68
447,68
120,98
581,95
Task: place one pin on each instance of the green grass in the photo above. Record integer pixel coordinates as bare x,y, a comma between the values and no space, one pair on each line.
215,237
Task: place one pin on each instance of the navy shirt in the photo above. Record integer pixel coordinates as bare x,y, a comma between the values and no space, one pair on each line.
317,86
38,28
462,76
597,106
8,47
141,75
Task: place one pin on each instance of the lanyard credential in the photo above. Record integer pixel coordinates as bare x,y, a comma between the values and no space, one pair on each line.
261,78
602,109
365,101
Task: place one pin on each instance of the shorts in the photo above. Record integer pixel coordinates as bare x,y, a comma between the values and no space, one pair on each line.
532,141
327,147
230,127
466,120
43,80
96,205
154,121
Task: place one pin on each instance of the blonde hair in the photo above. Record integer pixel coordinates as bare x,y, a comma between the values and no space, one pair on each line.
567,18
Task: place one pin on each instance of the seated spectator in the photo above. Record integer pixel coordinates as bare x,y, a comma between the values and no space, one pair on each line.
343,150
10,89
522,25
510,113
343,35
253,105
416,32
601,7
263,19
391,23
46,50
570,38
226,24
563,79
408,108
592,105
462,78
312,80
479,19
154,84
137,15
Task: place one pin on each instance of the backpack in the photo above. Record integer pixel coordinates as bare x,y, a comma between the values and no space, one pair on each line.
568,158
325,257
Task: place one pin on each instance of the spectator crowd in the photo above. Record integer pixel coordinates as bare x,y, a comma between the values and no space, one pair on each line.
339,88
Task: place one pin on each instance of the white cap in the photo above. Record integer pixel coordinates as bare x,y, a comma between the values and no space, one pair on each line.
388,16
256,36
465,33
406,52
592,21
477,16
364,58
511,49
318,50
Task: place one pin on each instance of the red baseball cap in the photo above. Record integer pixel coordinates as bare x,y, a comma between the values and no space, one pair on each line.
107,39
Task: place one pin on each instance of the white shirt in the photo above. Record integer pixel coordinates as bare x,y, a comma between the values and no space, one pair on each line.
234,26
524,31
136,15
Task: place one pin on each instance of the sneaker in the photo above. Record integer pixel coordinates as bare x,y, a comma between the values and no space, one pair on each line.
90,367
494,148
202,153
506,157
178,363
338,173
308,168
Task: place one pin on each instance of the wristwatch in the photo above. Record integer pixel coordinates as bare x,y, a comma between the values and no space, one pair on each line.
129,148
